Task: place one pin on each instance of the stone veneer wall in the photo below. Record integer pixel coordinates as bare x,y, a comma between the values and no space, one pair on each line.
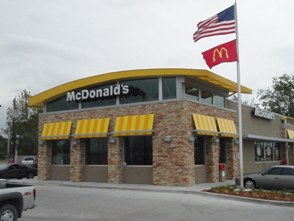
213,148
173,162
77,158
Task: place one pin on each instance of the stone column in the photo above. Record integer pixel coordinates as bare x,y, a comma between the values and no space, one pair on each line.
115,160
44,160
232,159
77,160
173,162
212,159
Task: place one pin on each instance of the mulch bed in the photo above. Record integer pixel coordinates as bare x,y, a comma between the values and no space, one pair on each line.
278,195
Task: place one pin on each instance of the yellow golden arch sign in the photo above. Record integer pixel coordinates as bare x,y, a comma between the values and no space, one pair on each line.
220,52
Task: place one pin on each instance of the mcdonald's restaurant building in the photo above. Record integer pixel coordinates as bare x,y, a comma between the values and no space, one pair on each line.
154,126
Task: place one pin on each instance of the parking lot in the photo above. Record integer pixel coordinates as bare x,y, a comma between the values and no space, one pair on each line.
55,202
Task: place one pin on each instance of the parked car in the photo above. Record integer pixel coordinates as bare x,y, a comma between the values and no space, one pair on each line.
14,199
29,160
276,177
18,171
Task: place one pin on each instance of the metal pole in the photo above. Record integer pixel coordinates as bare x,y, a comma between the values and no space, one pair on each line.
240,132
13,130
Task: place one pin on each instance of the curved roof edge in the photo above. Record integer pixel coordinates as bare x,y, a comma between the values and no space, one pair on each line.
204,75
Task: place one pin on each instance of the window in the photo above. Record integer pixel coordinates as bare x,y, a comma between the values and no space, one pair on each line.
169,89
206,97
267,151
199,150
60,152
277,151
192,92
102,100
141,90
96,151
218,100
60,104
223,150
274,171
288,171
138,150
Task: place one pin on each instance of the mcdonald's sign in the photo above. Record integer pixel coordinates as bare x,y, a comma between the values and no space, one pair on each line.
222,53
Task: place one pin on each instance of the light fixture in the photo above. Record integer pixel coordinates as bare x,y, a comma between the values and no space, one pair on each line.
168,138
112,140
216,140
191,138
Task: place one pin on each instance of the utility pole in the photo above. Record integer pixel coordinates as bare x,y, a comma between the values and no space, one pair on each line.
12,150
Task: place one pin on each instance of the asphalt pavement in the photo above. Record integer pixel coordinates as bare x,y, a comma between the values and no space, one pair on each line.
195,189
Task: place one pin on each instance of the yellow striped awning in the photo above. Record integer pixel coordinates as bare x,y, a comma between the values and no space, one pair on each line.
56,130
134,125
290,134
205,125
226,127
90,128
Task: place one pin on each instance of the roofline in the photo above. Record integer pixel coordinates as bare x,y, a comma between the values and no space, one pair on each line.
205,75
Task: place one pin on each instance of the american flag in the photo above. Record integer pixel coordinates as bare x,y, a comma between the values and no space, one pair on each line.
220,24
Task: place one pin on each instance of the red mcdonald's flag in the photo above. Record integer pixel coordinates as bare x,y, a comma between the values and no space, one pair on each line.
222,53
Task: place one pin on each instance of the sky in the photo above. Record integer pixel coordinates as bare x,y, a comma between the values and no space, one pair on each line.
47,43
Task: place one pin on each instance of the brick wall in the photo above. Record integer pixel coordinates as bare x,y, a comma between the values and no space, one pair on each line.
173,162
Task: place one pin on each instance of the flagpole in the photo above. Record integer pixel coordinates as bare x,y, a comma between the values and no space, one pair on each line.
240,132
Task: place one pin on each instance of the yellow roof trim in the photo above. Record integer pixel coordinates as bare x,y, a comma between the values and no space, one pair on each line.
205,75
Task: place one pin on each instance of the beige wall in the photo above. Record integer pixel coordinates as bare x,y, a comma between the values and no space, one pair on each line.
200,174
256,125
59,172
95,173
138,174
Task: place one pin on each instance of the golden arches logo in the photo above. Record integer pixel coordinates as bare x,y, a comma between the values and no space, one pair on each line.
220,53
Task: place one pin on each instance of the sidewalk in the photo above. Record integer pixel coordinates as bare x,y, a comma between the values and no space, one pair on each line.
195,189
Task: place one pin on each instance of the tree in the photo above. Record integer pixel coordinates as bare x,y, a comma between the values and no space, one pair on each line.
22,125
279,97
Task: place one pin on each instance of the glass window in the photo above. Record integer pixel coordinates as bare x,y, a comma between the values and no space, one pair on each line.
218,100
61,104
104,97
138,150
192,92
223,151
206,97
140,90
288,171
277,152
60,152
268,151
169,88
259,152
96,151
274,171
199,150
